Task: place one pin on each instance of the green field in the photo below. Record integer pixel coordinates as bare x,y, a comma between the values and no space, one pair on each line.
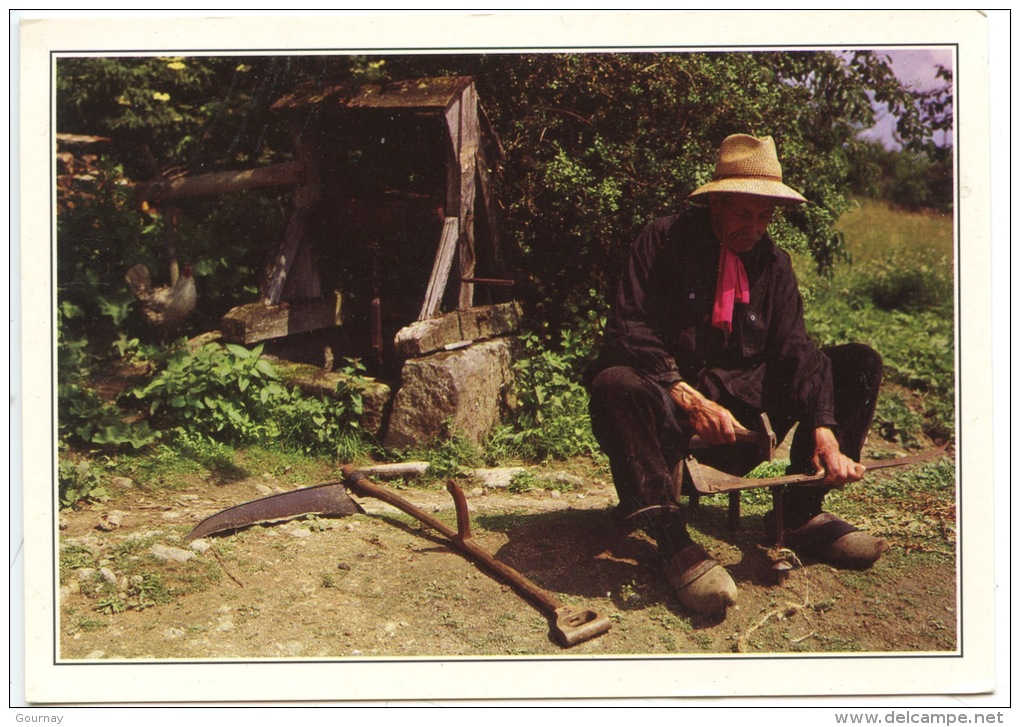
895,293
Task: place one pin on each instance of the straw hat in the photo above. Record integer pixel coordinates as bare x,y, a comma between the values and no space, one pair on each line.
749,165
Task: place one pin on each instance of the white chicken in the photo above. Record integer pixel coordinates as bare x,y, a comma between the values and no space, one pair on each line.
166,307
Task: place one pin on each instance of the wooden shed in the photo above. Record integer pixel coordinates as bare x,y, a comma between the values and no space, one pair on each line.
393,209
392,217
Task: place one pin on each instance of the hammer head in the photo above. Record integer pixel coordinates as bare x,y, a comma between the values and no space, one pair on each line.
714,467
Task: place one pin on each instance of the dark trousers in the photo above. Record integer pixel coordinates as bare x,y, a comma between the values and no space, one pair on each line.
643,433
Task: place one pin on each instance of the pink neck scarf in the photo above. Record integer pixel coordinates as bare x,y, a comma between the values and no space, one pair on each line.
730,287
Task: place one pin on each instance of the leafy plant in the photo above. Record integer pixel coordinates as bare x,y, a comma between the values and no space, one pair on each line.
450,455
233,395
550,417
79,482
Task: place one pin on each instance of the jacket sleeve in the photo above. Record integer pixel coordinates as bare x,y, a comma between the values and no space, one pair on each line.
795,358
634,329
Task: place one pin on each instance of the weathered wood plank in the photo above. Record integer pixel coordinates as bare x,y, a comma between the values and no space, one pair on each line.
304,197
287,174
470,134
436,334
440,268
256,322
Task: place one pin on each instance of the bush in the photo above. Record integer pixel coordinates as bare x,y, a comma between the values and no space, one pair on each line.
909,285
233,395
550,419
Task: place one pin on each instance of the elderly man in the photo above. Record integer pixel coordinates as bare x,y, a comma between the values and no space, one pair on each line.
706,331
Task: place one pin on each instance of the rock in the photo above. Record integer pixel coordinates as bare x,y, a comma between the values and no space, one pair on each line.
125,483
166,552
200,546
173,633
108,575
264,490
97,654
455,390
300,533
111,520
85,574
497,477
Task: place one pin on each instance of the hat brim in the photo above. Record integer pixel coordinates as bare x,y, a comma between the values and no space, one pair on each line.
751,185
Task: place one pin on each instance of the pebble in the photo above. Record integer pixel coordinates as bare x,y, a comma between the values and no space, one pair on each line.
200,546
300,533
85,574
165,552
263,490
555,494
97,654
125,482
111,520
108,575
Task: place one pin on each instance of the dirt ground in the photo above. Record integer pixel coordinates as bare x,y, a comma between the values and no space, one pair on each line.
380,584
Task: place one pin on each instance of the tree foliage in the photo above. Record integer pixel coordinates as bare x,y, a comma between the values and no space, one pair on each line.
596,144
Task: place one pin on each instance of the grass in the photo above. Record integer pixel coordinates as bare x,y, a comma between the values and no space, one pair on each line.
896,295
874,228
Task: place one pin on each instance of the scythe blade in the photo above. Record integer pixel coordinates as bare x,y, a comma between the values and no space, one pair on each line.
709,481
330,500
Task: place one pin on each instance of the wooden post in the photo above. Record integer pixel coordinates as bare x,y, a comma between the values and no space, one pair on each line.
467,156
304,197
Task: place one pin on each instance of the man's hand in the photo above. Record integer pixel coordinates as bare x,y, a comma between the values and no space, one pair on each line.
839,469
712,422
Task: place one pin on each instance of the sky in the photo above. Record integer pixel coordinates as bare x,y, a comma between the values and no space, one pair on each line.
916,68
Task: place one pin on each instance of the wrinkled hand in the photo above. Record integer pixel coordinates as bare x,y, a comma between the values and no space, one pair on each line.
712,422
838,468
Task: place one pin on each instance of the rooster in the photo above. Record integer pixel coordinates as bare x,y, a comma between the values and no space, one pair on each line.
165,308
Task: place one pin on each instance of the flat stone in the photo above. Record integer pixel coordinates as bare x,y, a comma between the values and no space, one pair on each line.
166,552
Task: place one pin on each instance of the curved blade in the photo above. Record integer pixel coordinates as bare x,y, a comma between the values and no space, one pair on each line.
330,499
708,480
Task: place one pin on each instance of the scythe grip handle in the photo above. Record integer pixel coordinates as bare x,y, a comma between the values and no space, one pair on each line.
571,625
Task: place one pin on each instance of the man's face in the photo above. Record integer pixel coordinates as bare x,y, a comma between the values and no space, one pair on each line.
740,220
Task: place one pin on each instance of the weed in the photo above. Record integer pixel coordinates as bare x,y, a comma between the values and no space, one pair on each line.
549,418
79,482
702,640
524,482
73,557
449,456
88,624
